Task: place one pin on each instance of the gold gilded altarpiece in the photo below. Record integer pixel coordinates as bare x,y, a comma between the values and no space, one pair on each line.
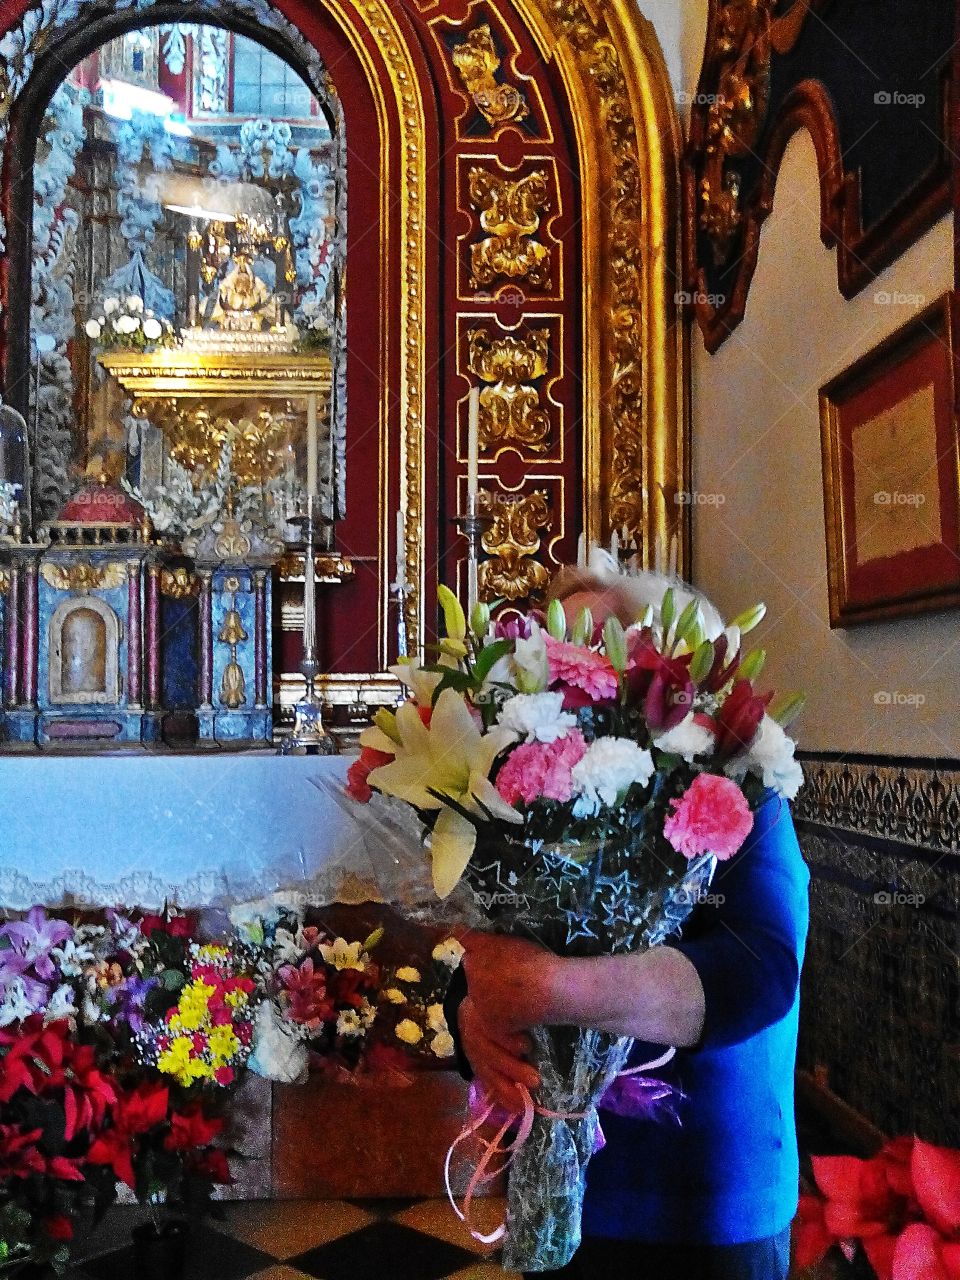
629,428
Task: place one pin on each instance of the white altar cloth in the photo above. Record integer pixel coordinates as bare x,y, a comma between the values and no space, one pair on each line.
192,830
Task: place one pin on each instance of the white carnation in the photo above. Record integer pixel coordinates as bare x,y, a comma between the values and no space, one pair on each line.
537,717
609,768
134,302
687,739
126,324
771,758
152,329
110,305
92,329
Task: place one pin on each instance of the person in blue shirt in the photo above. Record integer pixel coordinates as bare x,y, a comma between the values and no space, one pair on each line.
711,1197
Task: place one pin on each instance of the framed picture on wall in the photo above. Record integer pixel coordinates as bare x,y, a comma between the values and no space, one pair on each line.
888,428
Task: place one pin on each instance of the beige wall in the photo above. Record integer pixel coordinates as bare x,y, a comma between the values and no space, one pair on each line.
758,521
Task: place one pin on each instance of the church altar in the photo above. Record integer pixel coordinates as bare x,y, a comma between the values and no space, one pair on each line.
188,829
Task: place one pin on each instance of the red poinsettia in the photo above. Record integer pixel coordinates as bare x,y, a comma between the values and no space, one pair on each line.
135,1113
19,1156
902,1206
192,1128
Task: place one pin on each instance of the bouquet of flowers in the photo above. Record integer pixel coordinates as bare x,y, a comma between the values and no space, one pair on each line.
321,996
901,1209
125,324
581,783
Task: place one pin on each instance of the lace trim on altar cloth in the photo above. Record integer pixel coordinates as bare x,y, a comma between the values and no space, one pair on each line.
19,892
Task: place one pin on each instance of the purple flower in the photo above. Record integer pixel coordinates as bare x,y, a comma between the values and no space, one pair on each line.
129,999
517,626
34,938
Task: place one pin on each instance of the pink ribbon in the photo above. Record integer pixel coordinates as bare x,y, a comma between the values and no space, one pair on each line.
490,1148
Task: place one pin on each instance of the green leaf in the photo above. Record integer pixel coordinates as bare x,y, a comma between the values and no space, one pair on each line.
615,643
702,661
750,618
488,659
556,621
787,707
453,615
752,664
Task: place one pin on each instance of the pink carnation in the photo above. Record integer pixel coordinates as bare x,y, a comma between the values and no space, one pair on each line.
541,769
578,668
712,816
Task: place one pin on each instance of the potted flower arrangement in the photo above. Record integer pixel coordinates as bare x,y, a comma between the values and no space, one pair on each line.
126,324
322,995
96,1088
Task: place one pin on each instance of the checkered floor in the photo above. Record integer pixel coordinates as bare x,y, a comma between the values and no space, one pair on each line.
313,1240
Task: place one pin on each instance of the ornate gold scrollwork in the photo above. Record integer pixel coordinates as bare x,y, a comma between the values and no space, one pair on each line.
735,116
510,408
478,62
84,576
510,213
512,540
4,582
179,583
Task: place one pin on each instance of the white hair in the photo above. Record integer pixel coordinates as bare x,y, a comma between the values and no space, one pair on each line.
643,587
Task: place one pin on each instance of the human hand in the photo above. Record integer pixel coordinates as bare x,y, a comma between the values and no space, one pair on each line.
497,1058
511,981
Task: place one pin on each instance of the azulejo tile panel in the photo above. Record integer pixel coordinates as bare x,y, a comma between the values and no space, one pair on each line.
881,984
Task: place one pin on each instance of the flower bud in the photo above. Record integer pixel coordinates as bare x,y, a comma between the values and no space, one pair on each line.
750,618
556,621
453,615
582,632
787,707
752,664
615,643
480,619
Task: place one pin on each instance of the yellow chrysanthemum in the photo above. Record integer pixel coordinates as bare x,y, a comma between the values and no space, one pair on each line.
408,1031
223,1042
194,1004
236,999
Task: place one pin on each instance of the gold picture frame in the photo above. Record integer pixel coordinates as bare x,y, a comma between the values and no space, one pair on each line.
891,466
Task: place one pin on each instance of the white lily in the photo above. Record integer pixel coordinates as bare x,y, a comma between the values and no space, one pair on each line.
452,758
530,665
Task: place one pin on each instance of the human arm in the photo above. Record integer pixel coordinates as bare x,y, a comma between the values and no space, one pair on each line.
739,975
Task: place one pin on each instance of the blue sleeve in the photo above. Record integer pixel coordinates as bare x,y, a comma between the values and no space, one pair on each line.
749,951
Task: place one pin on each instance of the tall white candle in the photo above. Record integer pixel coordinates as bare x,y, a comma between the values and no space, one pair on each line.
312,445
473,450
401,553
